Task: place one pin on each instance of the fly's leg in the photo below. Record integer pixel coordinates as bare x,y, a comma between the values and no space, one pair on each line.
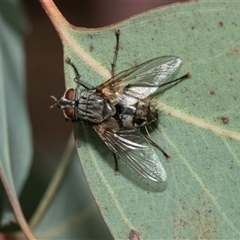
77,75
116,164
113,64
77,78
187,75
147,135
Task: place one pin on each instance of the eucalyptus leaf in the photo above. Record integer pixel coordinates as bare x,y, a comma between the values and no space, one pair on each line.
198,124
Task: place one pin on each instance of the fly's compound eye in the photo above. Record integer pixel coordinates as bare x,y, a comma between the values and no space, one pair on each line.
69,111
69,94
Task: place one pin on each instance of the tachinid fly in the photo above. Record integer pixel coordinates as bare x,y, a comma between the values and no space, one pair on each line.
120,107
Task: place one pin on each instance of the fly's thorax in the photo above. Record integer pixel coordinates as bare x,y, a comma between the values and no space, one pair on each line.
93,107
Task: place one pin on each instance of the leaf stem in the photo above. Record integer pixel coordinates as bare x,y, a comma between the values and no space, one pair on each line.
54,15
16,206
62,26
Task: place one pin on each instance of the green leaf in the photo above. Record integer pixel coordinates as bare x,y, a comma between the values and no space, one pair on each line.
198,124
15,131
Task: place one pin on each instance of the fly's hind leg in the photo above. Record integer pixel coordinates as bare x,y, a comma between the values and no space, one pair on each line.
116,164
147,135
113,64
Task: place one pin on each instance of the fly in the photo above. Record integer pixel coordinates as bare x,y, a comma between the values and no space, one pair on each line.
120,107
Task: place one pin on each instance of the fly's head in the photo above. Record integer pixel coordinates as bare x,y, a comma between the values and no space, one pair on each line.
68,103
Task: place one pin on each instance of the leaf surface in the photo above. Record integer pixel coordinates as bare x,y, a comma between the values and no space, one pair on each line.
198,124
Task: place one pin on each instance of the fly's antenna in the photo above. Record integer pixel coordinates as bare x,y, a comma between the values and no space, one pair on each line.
56,102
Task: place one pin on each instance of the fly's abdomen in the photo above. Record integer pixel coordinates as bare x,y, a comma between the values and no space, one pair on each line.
93,107
138,115
145,113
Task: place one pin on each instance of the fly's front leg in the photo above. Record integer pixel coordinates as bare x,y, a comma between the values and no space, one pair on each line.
78,76
113,64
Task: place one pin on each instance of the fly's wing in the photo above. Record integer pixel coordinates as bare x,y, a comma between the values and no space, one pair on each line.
139,82
132,147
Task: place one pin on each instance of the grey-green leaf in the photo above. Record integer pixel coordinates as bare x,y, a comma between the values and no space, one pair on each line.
198,125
